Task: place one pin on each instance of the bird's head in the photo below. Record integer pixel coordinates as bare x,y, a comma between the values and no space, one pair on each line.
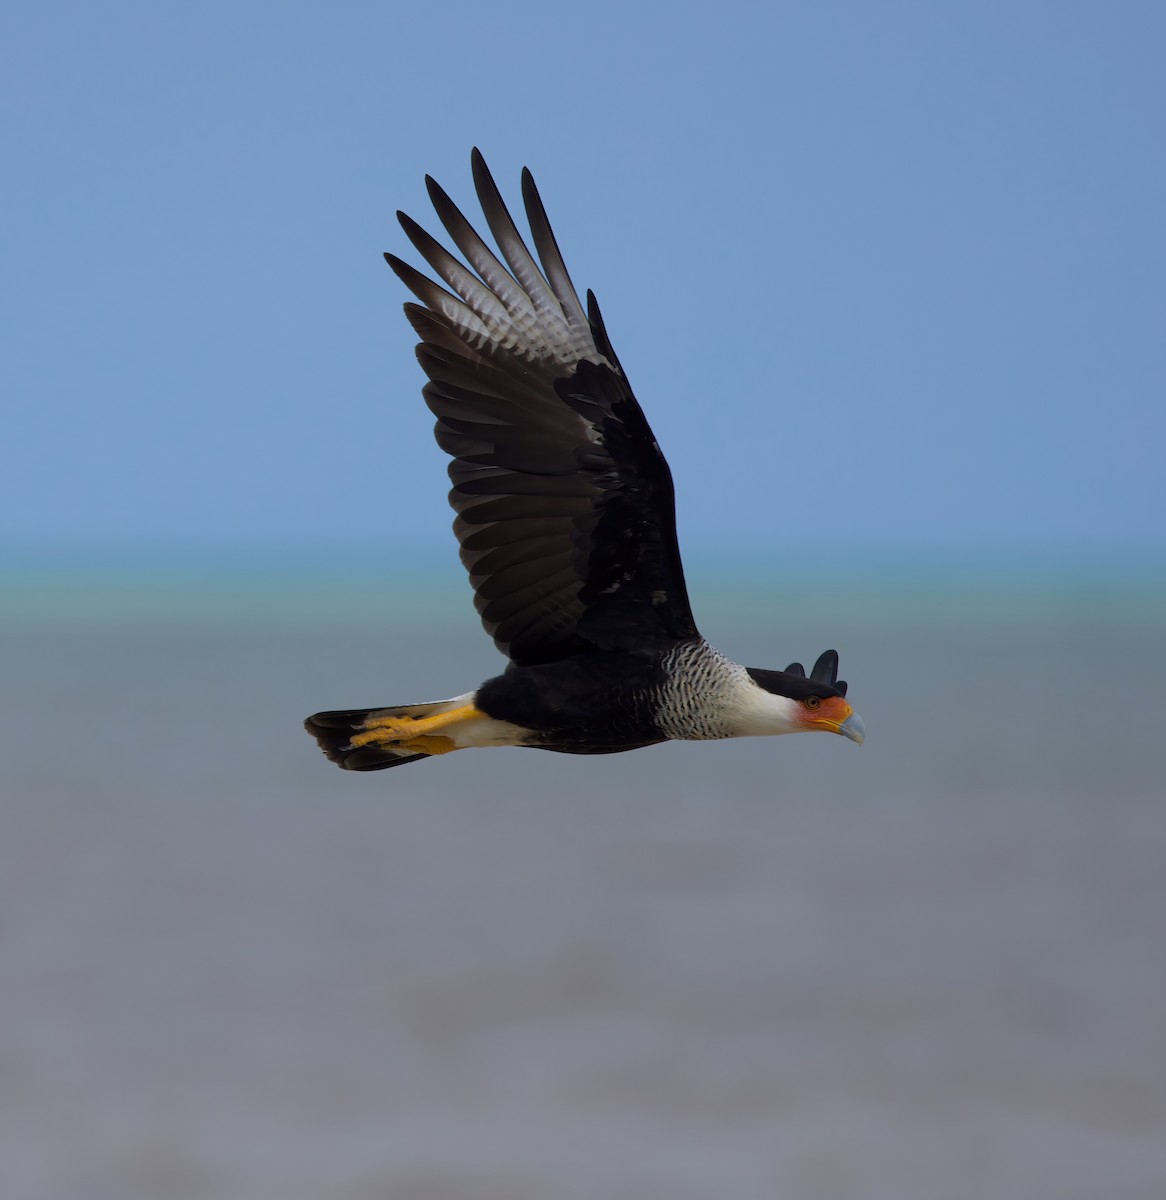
820,697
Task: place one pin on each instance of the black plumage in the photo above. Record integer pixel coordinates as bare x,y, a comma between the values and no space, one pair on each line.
565,510
565,518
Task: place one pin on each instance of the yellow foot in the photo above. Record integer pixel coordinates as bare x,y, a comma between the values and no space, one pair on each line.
417,735
434,744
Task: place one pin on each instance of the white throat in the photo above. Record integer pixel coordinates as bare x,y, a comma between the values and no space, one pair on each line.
709,696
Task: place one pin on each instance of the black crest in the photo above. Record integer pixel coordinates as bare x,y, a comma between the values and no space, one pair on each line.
793,682
825,671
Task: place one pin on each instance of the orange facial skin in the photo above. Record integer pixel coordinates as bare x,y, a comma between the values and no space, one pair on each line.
827,715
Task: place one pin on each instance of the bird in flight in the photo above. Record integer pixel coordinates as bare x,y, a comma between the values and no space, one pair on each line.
567,527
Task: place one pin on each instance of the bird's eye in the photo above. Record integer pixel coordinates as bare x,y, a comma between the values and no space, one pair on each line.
813,701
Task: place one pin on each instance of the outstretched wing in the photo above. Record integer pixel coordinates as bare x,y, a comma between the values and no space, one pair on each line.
564,502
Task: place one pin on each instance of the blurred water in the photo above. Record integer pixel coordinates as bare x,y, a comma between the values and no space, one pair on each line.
931,967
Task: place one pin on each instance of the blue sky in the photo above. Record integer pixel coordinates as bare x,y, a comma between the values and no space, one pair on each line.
888,278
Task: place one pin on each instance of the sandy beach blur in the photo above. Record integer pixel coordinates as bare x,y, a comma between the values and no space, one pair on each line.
933,967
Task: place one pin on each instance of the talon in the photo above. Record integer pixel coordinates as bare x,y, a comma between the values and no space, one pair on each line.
411,732
384,731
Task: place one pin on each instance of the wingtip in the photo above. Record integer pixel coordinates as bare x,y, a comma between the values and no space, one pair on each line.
398,266
593,313
531,200
481,172
437,194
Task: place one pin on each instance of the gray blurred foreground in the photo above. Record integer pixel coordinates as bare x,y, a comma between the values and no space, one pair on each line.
933,967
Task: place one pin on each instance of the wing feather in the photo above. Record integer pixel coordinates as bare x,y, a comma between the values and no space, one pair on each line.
548,251
564,504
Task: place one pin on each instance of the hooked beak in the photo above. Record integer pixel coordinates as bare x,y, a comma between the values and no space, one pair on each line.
836,716
853,728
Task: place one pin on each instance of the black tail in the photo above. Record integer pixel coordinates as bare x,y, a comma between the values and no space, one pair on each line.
333,732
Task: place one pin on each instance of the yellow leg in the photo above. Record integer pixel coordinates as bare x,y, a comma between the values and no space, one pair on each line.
431,745
415,733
